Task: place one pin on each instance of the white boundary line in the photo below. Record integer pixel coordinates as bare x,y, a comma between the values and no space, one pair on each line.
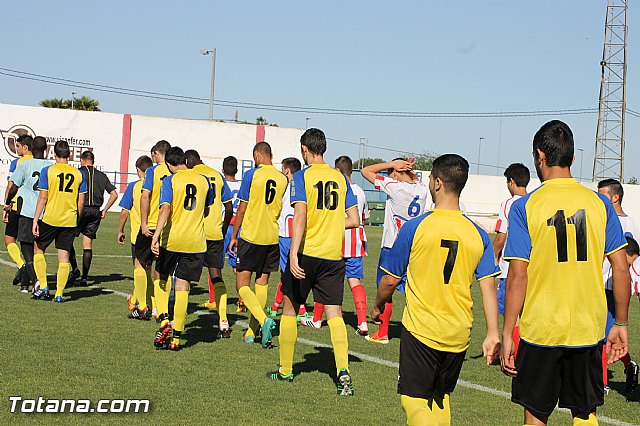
118,256
376,360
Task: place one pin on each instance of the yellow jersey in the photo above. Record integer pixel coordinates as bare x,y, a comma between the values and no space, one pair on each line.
441,252
328,196
153,178
222,194
262,189
131,202
563,230
189,194
63,184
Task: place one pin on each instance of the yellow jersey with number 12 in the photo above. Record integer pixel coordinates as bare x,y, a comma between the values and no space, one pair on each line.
63,184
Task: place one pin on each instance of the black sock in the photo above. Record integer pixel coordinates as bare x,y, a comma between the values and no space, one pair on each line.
72,259
27,255
87,255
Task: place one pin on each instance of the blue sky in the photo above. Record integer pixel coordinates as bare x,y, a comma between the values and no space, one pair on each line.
434,56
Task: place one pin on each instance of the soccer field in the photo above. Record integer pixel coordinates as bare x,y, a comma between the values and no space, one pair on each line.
86,348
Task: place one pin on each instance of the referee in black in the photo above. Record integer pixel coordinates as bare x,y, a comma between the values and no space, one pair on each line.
97,184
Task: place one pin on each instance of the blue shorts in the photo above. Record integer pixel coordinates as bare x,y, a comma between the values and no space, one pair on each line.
354,267
285,248
384,253
611,311
231,258
502,287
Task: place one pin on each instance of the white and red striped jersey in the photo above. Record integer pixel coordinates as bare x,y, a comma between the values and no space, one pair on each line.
355,239
234,187
405,200
634,270
286,215
630,230
502,226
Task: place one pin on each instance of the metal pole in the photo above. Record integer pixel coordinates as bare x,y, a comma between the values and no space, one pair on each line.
581,157
306,122
479,148
73,98
213,80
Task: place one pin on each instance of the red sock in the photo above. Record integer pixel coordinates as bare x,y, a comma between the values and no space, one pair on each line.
303,309
605,372
385,317
212,292
515,335
360,300
278,301
626,359
318,310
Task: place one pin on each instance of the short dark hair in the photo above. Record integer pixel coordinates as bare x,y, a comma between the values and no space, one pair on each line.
25,140
61,149
263,148
452,170
632,247
175,156
344,164
292,163
519,173
314,140
192,157
88,156
555,139
39,147
144,162
614,187
230,166
161,147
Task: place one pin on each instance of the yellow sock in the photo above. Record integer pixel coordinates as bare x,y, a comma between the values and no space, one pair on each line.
253,304
40,266
340,343
417,411
221,299
63,275
288,337
180,309
140,287
441,410
261,295
162,295
592,420
15,254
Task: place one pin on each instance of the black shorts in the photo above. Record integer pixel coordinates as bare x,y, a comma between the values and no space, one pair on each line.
143,249
25,230
11,229
133,253
185,266
214,257
426,372
257,258
324,277
63,236
89,222
569,377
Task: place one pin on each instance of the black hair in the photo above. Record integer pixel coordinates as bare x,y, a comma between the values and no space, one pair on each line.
555,139
263,148
161,147
452,170
192,157
519,173
61,149
39,147
632,247
314,140
344,164
175,156
230,166
144,162
88,156
614,187
292,163
26,140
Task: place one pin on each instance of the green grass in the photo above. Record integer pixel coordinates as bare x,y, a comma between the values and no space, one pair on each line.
88,349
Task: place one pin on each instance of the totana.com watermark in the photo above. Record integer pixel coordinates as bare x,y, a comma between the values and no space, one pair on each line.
42,405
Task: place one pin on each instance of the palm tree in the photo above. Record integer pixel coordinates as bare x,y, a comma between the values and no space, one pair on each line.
54,103
85,103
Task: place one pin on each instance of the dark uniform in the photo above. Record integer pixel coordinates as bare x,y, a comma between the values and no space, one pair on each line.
98,183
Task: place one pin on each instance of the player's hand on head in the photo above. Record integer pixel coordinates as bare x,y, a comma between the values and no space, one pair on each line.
402,165
507,359
491,349
617,344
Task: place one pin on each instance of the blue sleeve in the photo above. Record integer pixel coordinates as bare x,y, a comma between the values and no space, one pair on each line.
351,200
83,184
518,240
487,266
297,191
17,177
43,183
245,186
166,191
148,179
13,165
396,263
127,199
226,192
614,236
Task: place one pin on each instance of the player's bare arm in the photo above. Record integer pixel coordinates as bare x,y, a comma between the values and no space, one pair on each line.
163,217
113,196
498,244
233,244
491,344
42,202
370,172
228,215
387,286
617,340
145,205
10,193
517,281
124,215
297,231
353,219
80,204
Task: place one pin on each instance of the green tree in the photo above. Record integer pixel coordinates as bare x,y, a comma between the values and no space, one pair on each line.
364,162
424,161
633,181
84,103
53,103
